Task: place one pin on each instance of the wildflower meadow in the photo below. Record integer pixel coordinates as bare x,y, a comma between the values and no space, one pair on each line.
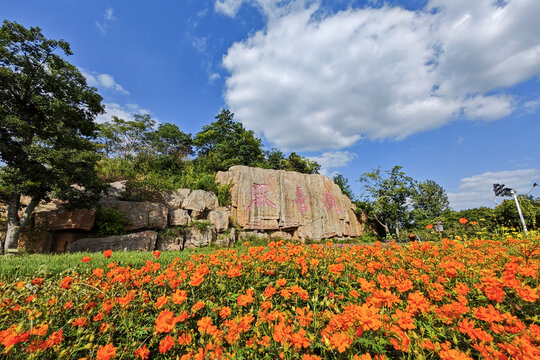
449,299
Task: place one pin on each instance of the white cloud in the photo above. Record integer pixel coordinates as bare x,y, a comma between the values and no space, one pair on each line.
377,72
477,190
103,80
228,7
108,19
199,44
121,111
333,160
213,77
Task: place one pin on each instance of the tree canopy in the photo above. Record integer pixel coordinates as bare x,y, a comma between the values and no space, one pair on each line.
47,113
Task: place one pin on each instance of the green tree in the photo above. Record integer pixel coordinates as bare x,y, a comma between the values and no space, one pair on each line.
506,213
429,201
225,143
302,164
47,114
389,193
343,184
169,140
127,138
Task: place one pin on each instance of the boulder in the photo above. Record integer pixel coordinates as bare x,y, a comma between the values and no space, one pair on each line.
143,215
220,218
197,214
179,217
141,241
175,199
199,237
228,238
307,205
168,242
200,200
80,219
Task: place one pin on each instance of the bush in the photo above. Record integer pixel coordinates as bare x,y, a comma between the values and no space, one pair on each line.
110,222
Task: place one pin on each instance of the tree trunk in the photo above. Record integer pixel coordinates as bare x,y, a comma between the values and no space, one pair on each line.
14,224
397,231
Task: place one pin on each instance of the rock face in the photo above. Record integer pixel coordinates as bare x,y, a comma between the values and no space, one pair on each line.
220,218
145,240
175,199
303,205
143,215
179,217
196,237
81,219
200,201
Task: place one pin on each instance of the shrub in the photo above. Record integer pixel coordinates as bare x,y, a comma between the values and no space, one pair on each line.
110,222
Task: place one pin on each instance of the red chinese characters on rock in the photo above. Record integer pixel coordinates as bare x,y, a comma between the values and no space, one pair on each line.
330,202
301,200
259,196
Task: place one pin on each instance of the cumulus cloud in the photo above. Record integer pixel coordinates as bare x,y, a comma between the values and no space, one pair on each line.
121,111
378,73
333,160
103,80
477,190
108,19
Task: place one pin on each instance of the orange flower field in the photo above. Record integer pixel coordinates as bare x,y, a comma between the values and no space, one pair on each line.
448,300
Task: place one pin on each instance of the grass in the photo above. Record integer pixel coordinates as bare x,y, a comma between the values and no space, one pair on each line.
23,266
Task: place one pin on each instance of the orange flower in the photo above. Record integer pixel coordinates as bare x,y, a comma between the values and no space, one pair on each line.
157,254
184,339
341,341
162,301
66,282
281,282
225,312
299,339
106,352
197,306
142,352
165,344
429,226
165,322
86,259
79,322
463,221
179,296
304,316
98,272
107,253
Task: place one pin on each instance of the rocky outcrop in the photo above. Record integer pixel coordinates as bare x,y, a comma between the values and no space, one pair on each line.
200,201
175,199
179,217
141,241
143,215
199,237
80,219
303,205
220,218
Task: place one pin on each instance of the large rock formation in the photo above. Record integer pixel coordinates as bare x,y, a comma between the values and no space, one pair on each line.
303,205
143,215
145,240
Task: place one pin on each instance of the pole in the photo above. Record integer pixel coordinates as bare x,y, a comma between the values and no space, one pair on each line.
520,213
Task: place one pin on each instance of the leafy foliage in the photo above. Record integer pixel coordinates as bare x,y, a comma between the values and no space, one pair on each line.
389,192
343,184
47,113
110,221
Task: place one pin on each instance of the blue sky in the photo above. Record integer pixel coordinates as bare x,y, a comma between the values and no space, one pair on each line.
448,89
